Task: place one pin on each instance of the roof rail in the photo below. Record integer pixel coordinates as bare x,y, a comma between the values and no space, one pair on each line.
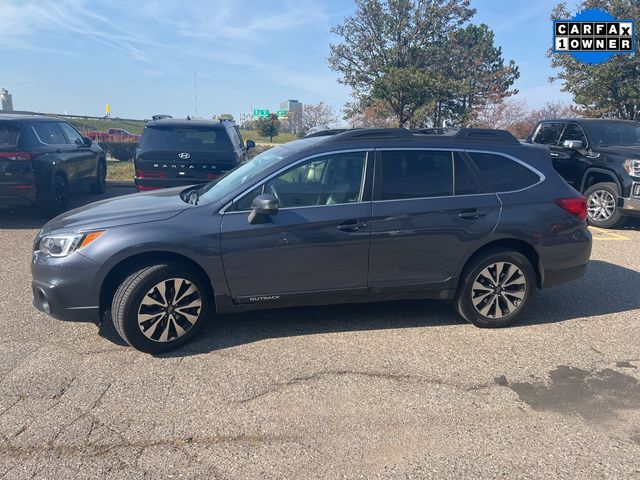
373,133
326,133
469,134
475,134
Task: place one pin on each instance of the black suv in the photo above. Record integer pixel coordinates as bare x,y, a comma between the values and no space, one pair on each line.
470,216
42,159
175,152
599,158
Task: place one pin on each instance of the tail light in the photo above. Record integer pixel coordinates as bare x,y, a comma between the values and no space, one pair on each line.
147,188
212,176
576,206
144,174
16,156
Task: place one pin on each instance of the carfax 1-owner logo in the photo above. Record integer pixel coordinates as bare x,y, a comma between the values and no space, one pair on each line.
594,36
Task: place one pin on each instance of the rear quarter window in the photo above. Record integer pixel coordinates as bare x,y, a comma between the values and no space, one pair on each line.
9,135
502,174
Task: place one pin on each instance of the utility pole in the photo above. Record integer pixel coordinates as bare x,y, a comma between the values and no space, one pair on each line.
195,90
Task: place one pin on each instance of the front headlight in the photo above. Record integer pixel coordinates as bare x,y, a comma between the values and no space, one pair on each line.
632,167
64,244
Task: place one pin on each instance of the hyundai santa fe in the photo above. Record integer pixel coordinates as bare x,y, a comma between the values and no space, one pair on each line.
469,216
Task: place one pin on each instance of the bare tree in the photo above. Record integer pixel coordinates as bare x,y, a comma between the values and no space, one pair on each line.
317,114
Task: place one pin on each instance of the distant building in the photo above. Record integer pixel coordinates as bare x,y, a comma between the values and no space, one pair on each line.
6,101
294,107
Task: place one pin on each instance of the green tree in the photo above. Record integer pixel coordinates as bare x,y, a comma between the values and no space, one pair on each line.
610,89
268,127
415,58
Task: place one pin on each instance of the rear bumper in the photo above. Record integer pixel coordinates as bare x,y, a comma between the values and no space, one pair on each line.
157,183
557,277
17,193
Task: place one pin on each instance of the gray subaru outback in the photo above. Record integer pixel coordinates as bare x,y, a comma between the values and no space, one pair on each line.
465,215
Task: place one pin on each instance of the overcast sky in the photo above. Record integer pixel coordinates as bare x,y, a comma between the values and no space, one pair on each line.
140,56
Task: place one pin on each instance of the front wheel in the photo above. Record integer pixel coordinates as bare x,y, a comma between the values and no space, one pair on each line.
56,199
602,205
160,308
496,288
100,184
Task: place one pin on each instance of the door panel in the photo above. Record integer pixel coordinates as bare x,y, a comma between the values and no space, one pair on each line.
318,240
298,250
421,230
425,241
82,158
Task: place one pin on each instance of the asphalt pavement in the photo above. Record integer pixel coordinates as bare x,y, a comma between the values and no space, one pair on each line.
391,390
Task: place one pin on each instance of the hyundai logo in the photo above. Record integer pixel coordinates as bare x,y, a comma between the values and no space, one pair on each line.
184,155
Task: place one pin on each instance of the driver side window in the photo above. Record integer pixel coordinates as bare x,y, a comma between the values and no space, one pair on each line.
327,180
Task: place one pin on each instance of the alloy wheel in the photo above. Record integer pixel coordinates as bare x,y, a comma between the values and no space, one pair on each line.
498,290
601,205
60,194
169,309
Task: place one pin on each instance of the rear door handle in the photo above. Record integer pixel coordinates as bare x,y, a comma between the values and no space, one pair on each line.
351,226
471,214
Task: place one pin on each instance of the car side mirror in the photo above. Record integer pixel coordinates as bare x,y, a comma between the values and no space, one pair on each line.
263,206
87,141
250,144
573,144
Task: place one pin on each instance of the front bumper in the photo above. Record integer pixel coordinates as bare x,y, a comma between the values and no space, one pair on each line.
63,287
630,206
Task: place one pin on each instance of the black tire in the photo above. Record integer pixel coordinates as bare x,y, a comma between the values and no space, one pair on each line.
56,199
506,301
127,308
597,196
100,185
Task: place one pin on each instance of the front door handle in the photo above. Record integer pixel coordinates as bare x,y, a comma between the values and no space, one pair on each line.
351,226
471,214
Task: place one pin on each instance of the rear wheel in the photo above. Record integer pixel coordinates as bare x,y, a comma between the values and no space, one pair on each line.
100,185
56,199
160,308
602,205
496,288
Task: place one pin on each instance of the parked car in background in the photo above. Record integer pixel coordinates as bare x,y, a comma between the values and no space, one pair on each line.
179,152
42,159
599,158
471,216
112,135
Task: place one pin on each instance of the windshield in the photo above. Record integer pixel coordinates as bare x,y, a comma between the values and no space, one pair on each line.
242,175
616,133
176,138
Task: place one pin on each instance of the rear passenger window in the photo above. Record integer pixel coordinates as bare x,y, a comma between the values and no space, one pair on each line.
548,133
502,174
49,133
465,180
415,174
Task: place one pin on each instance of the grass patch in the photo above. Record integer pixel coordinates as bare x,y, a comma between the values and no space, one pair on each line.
120,171
281,138
101,125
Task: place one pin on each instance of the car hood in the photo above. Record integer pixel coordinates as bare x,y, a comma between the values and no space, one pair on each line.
135,208
623,151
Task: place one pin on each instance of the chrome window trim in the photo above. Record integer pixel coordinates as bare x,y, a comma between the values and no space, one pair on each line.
541,175
223,210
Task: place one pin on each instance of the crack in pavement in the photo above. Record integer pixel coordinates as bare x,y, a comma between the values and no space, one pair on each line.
382,375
